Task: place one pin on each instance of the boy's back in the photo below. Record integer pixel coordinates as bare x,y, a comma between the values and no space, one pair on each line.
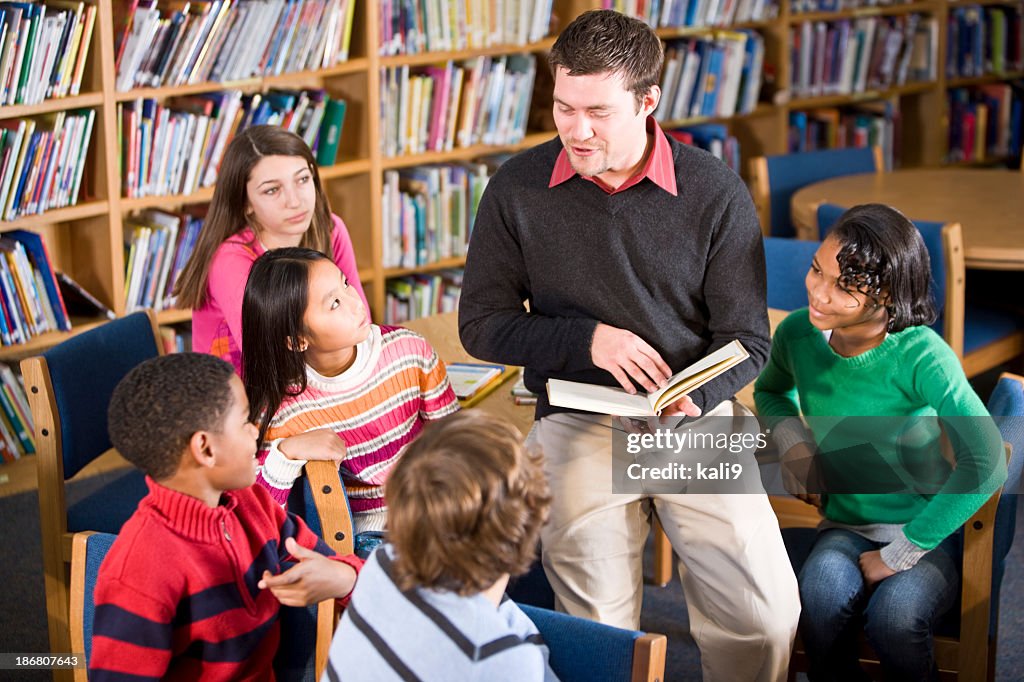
465,505
428,634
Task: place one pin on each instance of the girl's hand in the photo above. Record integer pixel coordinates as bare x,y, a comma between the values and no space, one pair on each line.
873,568
310,581
321,444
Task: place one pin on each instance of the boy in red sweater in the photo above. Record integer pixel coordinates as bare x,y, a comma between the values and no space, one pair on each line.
193,585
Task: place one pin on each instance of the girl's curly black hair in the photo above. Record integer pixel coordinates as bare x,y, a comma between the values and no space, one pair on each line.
881,255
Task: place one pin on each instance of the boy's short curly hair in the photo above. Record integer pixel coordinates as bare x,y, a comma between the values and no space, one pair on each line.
161,403
466,503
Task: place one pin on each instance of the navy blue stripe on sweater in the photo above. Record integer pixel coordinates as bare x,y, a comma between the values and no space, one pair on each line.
234,650
207,603
123,625
460,640
290,529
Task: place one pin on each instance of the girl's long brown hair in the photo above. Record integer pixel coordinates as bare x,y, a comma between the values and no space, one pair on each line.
227,209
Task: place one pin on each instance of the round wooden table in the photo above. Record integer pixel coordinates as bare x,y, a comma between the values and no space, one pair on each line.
989,205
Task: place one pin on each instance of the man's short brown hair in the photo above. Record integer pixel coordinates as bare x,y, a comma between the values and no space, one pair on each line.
605,41
466,503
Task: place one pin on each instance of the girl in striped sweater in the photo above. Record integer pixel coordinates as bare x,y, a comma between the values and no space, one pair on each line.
327,384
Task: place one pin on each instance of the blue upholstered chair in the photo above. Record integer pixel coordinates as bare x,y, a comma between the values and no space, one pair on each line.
774,180
983,337
302,632
965,640
786,264
69,388
583,650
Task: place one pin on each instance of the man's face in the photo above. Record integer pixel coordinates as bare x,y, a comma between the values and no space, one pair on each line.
601,129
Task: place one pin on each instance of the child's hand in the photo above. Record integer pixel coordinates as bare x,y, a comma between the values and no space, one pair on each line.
321,444
873,568
310,581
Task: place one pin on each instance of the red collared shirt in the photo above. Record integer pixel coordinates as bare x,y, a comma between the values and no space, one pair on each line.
659,167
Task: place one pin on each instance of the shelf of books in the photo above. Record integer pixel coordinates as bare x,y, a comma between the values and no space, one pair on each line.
115,116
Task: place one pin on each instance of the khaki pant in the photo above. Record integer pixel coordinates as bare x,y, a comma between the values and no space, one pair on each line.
740,590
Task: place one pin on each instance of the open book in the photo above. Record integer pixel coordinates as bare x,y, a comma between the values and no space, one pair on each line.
611,400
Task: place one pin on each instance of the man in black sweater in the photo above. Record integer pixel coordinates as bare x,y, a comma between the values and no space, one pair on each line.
638,256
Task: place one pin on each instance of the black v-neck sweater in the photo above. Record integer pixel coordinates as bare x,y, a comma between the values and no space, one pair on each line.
685,273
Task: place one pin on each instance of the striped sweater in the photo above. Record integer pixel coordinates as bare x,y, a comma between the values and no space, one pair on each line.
424,634
377,406
177,597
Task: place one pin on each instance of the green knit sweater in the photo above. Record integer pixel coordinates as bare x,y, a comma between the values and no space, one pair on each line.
902,384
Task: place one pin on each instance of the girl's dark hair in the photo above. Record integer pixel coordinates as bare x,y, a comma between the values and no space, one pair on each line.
273,308
882,255
227,208
605,41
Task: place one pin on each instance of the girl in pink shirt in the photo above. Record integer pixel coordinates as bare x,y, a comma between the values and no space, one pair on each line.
268,196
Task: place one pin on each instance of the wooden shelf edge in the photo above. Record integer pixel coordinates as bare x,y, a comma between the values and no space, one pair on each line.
759,110
92,99
463,153
202,196
88,209
458,55
872,11
672,32
173,316
44,341
982,80
253,84
436,266
867,95
345,168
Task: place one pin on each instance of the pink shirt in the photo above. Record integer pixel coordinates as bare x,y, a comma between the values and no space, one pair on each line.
217,325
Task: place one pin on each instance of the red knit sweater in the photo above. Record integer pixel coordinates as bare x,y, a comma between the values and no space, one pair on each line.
176,597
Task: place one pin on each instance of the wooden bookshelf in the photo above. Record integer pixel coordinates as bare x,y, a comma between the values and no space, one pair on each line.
87,240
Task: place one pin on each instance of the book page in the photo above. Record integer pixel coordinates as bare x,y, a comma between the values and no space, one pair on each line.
697,374
600,399
468,378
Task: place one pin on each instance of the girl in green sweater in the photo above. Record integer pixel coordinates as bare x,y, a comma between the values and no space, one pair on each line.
877,388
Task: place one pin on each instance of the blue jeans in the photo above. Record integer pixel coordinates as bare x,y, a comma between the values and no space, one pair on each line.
897,615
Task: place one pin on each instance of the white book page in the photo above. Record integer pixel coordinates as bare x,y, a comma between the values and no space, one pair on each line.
600,399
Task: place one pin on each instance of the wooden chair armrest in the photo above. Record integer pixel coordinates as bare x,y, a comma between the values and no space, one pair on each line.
649,658
329,497
976,589
326,622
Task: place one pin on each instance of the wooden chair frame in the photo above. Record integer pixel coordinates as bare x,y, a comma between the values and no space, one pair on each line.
56,540
649,658
336,522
